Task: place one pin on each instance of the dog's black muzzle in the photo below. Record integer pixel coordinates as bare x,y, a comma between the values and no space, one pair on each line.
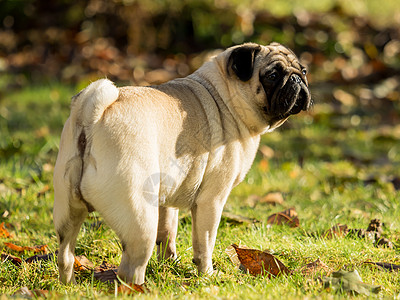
287,96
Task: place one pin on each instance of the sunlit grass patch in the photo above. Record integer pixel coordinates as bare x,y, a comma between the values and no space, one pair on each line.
328,174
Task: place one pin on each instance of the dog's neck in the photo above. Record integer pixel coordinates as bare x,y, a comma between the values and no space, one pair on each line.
224,106
249,121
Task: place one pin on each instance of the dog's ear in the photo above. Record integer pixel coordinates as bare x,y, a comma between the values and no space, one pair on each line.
241,60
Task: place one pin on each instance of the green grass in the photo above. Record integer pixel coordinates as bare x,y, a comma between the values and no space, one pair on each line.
321,165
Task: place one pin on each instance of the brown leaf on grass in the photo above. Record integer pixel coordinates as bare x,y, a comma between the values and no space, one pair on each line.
375,228
233,256
258,262
237,219
385,242
36,258
272,198
385,266
106,276
15,260
288,217
129,289
375,225
4,232
82,263
338,230
14,247
349,282
315,267
372,233
105,266
106,272
27,293
362,234
36,249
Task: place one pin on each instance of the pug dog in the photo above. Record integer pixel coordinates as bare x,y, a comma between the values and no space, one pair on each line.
138,154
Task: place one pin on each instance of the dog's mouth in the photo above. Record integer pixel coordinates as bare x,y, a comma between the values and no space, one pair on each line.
288,96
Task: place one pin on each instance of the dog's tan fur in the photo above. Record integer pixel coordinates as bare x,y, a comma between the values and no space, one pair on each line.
137,154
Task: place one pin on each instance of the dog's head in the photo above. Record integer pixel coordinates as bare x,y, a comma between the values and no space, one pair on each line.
267,84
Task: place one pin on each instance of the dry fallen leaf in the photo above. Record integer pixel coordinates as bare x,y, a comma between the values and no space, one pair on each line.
36,249
375,225
130,289
44,257
372,233
15,260
338,230
272,198
233,256
82,263
385,266
315,267
4,232
288,217
349,281
106,272
237,219
385,242
257,262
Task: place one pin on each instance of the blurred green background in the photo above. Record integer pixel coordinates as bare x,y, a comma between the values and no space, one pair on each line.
65,40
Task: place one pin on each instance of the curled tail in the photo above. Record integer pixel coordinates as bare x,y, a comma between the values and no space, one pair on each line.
87,108
89,105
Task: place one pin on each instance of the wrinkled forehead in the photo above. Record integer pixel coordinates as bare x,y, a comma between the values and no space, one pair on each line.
275,53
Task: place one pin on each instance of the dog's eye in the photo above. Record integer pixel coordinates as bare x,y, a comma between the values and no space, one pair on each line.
273,76
304,71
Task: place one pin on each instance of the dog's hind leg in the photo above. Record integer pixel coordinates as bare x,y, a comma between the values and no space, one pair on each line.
137,232
69,210
166,234
69,215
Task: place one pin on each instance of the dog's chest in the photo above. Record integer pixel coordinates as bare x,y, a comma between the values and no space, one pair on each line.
187,176
183,177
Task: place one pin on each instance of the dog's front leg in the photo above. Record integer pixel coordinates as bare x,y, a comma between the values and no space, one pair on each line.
166,234
206,215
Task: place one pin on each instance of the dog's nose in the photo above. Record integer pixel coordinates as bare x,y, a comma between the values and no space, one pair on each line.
295,78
